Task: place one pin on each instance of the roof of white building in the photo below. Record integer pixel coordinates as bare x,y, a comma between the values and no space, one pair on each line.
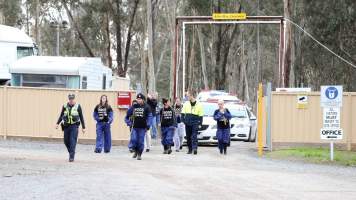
12,34
52,65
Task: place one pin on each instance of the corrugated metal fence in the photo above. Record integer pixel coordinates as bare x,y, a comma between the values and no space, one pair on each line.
33,112
291,126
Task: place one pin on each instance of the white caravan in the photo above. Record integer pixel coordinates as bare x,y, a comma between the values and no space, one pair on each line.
14,44
61,72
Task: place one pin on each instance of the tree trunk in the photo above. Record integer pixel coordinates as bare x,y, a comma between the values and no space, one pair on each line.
80,34
288,43
37,27
128,39
151,67
117,21
108,49
203,57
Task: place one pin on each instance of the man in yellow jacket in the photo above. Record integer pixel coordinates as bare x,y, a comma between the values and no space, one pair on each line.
192,116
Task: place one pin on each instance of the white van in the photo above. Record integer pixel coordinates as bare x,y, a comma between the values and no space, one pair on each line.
14,44
61,72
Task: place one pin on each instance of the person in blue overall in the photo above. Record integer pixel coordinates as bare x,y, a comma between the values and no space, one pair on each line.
103,115
129,122
141,116
223,116
168,126
70,118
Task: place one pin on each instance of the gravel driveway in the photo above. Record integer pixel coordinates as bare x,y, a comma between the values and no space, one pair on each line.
39,170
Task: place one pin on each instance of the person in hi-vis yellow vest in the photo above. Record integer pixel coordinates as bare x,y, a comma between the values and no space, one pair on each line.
192,115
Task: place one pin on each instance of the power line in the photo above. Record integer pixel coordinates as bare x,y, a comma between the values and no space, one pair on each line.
317,41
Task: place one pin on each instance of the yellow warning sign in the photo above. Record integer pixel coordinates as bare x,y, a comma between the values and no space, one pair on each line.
302,101
217,16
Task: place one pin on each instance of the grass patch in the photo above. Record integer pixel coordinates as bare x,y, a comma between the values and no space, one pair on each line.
315,155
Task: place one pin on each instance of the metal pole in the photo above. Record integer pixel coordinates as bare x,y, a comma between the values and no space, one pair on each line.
332,150
175,61
57,43
269,104
259,120
183,81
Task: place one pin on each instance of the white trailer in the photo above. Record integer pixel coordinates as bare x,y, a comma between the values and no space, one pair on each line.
61,72
14,44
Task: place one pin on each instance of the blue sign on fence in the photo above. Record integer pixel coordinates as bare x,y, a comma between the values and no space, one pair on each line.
331,96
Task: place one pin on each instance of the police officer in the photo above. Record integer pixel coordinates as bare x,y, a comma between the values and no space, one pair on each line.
129,122
70,118
180,130
192,115
141,116
168,126
103,115
222,116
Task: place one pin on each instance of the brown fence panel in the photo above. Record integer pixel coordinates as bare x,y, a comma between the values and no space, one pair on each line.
33,112
291,125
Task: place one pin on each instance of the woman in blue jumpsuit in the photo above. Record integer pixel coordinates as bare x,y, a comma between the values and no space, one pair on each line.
222,116
168,126
103,115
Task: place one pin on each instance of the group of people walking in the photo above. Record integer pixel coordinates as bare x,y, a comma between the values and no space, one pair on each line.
143,117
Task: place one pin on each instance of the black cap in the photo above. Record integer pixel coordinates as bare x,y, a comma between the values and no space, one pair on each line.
71,96
140,96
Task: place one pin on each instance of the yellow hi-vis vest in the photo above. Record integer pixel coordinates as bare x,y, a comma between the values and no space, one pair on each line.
71,116
192,114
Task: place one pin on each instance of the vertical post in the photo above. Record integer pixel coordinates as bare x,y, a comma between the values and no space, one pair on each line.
183,81
281,53
332,150
350,125
57,41
175,60
259,119
5,112
269,104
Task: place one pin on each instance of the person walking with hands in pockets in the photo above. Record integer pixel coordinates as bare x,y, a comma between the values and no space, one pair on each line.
103,115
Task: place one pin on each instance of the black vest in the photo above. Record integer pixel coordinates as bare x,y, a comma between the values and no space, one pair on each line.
167,117
140,115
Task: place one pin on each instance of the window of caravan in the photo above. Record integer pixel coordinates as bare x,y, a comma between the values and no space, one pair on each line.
24,51
84,82
45,80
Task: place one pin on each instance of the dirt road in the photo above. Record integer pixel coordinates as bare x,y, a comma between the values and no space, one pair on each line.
39,170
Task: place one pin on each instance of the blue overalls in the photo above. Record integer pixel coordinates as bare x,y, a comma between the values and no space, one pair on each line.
223,129
104,117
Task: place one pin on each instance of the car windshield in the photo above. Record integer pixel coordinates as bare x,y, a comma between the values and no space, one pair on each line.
238,112
209,109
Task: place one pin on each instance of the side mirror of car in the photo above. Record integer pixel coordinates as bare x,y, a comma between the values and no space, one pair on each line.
253,118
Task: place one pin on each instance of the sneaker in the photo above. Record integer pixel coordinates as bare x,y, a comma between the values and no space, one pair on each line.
135,155
169,151
97,151
147,150
195,152
165,152
177,150
189,152
71,159
139,157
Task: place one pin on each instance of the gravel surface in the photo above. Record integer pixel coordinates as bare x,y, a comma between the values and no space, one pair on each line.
40,170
